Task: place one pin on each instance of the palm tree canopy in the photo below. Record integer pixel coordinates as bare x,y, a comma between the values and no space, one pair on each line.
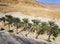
35,25
54,28
16,21
44,27
51,23
25,20
3,18
26,23
36,21
9,18
59,30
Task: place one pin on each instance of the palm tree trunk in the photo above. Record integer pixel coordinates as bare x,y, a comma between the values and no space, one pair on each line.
16,31
20,31
28,31
49,37
9,26
38,33
4,23
37,36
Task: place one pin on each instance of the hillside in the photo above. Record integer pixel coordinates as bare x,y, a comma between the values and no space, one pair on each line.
30,7
7,38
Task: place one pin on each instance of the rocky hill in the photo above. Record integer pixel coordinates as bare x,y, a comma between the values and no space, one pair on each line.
7,38
30,7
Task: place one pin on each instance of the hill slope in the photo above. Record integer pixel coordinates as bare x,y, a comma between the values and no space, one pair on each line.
30,7
6,38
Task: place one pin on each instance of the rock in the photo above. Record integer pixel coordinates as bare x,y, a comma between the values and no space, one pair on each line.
7,38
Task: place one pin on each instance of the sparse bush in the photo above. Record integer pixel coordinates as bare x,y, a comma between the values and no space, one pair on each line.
2,29
11,31
49,40
53,38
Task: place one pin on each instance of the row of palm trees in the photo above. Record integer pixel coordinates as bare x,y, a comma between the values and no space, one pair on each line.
37,26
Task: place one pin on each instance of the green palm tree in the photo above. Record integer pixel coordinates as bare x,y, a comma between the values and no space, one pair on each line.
25,24
42,29
16,23
59,30
3,19
9,20
35,23
29,29
53,30
36,26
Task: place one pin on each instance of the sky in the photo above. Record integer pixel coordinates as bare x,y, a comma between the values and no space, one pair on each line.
50,1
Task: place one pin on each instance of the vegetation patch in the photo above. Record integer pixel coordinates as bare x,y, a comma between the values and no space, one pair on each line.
11,31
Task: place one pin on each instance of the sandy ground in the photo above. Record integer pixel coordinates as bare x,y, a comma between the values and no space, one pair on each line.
31,35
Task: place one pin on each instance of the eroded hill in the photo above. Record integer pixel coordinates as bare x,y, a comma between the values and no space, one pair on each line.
30,7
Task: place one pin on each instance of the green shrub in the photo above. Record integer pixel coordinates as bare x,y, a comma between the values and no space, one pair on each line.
2,29
11,31
49,40
54,38
55,34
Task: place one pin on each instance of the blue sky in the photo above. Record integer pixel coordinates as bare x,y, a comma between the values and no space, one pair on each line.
50,1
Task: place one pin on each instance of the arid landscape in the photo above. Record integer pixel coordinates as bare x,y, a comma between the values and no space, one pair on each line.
30,7
32,10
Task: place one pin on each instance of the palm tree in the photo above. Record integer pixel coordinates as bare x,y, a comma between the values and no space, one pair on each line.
16,23
59,30
42,29
36,26
29,29
9,20
25,24
3,19
53,30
